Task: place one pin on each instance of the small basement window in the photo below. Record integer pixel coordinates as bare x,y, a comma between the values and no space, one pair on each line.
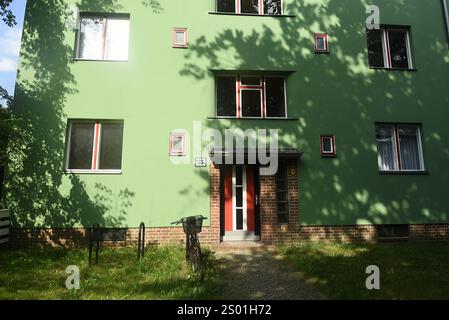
321,42
177,144
180,38
328,146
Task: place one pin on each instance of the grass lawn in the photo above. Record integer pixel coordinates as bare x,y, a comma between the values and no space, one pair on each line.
407,270
162,274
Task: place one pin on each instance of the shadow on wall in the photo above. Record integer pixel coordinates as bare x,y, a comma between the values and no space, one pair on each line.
339,94
35,169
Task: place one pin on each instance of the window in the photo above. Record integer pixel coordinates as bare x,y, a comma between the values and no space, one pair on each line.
282,193
389,48
327,143
258,7
177,144
94,146
251,96
180,38
399,147
321,42
103,38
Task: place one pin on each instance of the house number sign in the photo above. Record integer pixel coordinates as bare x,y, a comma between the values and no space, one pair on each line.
200,162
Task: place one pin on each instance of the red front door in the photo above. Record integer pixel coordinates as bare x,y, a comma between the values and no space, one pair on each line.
239,198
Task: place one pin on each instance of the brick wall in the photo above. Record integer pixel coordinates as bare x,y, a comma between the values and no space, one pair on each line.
271,230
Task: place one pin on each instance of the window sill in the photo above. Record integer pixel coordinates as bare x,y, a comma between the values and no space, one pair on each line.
110,172
98,60
424,172
393,69
234,118
253,14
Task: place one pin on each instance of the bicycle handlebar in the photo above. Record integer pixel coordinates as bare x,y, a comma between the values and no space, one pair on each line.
180,220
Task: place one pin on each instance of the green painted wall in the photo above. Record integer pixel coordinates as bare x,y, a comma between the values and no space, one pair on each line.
160,89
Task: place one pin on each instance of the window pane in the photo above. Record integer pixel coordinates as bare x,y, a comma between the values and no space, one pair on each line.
239,219
327,145
282,193
178,144
239,175
375,48
117,39
180,38
81,145
226,96
92,35
111,146
226,5
249,6
272,7
251,103
239,197
250,81
321,43
409,148
386,153
275,97
397,40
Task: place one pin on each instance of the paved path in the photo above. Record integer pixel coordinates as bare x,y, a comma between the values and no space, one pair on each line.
258,273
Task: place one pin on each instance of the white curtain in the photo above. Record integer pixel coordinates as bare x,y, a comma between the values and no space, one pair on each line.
117,38
91,38
386,154
410,153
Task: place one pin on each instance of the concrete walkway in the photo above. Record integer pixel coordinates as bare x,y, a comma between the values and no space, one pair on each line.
257,272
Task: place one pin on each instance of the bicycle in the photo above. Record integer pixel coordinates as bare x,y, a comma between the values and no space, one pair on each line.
192,226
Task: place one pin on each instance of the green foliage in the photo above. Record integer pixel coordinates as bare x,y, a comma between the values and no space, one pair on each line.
407,270
6,14
162,274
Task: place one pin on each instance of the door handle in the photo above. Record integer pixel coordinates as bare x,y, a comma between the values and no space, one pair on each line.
257,200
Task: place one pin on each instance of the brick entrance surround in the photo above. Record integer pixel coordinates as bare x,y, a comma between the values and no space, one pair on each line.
271,231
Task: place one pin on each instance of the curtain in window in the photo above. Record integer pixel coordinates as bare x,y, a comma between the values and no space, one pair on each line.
386,155
408,138
91,38
117,39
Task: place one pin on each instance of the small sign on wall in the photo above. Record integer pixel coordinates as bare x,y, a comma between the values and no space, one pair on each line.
200,162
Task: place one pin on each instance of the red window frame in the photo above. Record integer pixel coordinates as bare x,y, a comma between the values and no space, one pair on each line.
324,153
174,152
260,87
326,41
96,147
186,40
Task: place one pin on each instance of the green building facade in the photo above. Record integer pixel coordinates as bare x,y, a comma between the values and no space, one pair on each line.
363,136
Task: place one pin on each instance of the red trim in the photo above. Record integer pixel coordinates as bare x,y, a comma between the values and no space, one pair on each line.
237,9
239,112
250,216
228,197
334,150
186,41
260,7
326,42
264,107
96,140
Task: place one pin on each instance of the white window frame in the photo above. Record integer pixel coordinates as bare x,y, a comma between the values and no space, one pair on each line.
333,151
324,36
174,152
386,47
261,87
397,147
82,15
244,200
96,148
186,38
261,8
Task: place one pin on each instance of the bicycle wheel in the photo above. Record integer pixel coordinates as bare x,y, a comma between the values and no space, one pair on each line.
195,257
